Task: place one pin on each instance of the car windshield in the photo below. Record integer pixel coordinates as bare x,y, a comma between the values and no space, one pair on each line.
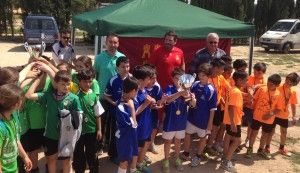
45,24
282,26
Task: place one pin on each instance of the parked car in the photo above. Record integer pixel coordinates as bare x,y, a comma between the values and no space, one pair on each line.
284,35
39,28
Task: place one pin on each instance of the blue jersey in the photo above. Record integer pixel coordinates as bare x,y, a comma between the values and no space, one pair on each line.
114,88
126,135
144,119
206,97
156,93
176,112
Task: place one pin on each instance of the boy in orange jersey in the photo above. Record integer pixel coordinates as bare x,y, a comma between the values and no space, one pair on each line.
254,82
232,119
219,83
266,105
287,97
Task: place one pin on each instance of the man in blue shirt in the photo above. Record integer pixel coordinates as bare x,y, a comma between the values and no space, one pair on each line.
206,55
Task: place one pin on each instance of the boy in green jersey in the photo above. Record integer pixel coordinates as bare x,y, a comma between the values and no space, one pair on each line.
55,100
86,148
10,145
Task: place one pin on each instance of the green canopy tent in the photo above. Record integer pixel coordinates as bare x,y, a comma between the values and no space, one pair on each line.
148,18
152,18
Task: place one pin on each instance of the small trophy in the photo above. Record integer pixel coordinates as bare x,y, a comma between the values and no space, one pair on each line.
187,80
35,51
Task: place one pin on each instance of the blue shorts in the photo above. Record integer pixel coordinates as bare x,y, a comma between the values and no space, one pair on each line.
248,116
155,121
127,145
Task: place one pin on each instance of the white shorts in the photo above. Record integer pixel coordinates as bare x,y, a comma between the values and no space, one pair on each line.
172,134
191,129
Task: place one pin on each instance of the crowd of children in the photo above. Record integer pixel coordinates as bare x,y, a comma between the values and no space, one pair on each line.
44,104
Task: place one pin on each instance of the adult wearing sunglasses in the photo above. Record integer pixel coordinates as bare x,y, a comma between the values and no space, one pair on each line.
63,51
207,54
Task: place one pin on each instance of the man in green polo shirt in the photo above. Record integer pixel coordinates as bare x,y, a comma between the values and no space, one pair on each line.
105,62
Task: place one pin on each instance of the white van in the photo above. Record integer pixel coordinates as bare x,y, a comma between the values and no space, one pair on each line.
284,35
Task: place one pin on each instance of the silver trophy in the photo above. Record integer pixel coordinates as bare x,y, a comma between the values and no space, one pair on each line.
36,50
186,81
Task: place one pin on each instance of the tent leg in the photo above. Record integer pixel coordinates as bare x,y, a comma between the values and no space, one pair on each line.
251,45
96,44
73,36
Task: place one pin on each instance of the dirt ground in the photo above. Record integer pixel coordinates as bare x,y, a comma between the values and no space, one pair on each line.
13,54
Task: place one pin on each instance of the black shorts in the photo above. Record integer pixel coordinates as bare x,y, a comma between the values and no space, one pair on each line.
25,141
35,139
267,128
281,122
219,116
50,146
248,116
234,134
141,143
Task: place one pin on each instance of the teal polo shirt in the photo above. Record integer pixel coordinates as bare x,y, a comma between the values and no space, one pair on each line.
105,66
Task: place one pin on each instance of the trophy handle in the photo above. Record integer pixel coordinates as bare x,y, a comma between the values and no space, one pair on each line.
26,46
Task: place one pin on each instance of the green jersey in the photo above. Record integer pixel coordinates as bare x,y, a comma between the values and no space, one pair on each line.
91,110
69,102
8,144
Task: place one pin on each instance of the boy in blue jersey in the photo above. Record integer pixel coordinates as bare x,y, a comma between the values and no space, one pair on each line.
176,118
143,102
126,135
155,91
200,118
112,95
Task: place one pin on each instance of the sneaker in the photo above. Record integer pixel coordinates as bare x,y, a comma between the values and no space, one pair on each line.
147,159
153,149
228,166
166,166
195,161
285,152
178,164
249,153
142,167
264,154
211,152
185,156
204,156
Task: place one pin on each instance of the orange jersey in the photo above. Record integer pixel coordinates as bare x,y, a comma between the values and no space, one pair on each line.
264,102
253,84
219,83
234,99
226,89
287,96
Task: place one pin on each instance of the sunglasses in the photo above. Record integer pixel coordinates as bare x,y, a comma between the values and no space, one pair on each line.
66,38
213,42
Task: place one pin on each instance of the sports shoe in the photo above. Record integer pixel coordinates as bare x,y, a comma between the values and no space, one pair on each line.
166,166
178,164
264,154
142,167
285,152
185,156
147,159
228,166
195,161
249,153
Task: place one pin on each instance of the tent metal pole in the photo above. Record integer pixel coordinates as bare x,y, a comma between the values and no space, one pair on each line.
251,45
73,36
96,44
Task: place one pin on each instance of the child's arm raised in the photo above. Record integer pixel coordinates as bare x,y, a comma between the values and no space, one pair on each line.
31,95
